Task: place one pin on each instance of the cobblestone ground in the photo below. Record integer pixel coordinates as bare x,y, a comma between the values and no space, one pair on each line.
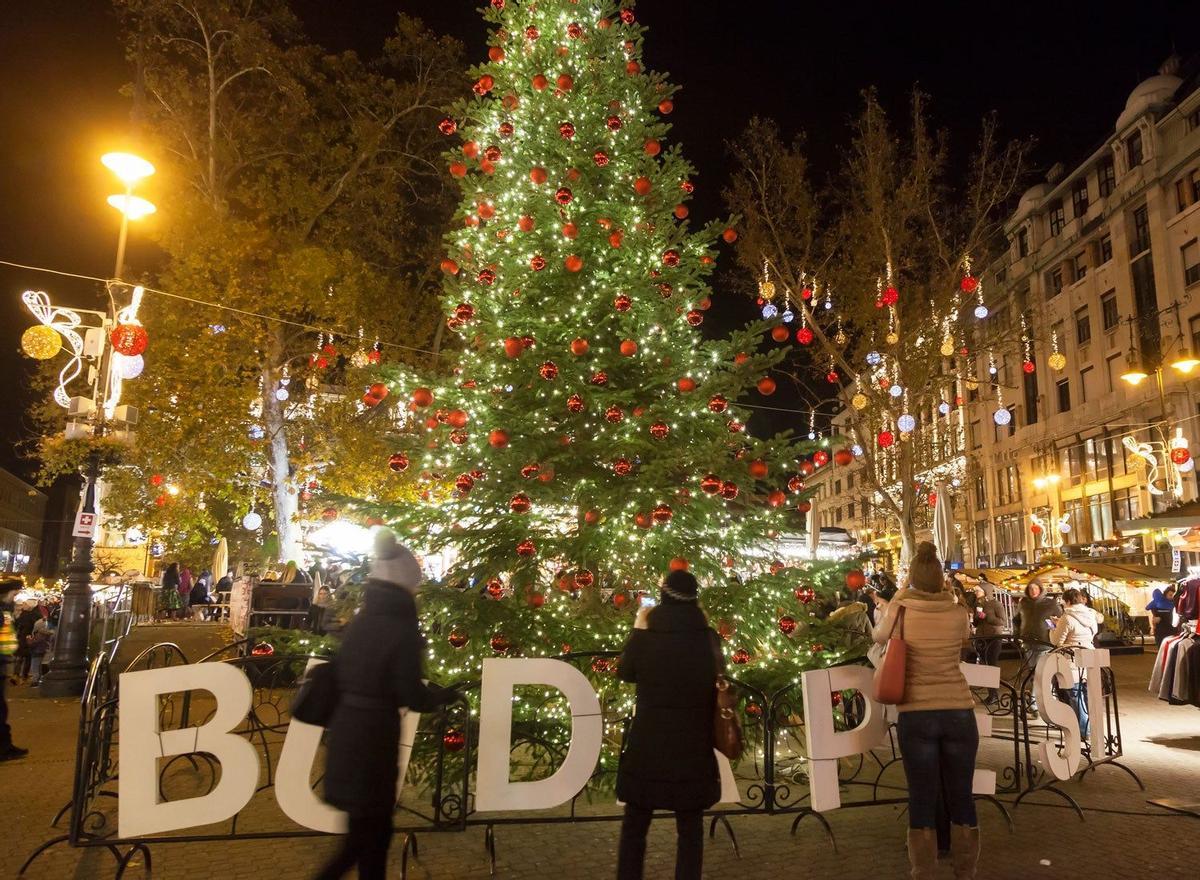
1123,836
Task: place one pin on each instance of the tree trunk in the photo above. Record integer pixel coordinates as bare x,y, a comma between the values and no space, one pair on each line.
283,493
908,537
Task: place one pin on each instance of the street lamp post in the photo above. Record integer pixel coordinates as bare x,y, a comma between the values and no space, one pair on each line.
69,671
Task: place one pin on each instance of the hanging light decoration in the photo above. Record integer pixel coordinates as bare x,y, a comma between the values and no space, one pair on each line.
766,287
1057,360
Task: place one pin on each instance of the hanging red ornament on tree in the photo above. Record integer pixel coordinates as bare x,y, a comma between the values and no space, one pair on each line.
711,484
622,303
666,106
449,267
622,466
796,484
729,490
500,643
660,430
804,506
530,471
741,657
729,235
886,439
1180,455
520,503
820,458
129,339
614,414
890,296
843,457
614,123
458,438
579,347
421,397
766,386
662,513
575,403
447,126
758,469
779,333
457,638
642,520
548,370
573,263
486,277
498,438
717,403
695,317
526,548
855,579
454,740
537,263
567,130
969,284
513,347
1028,366
584,579
642,186
804,336
398,461
805,594
464,484
686,384
787,625
776,498
599,378
483,85
670,258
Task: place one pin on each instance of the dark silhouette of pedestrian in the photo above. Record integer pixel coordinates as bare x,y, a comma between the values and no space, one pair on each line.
8,649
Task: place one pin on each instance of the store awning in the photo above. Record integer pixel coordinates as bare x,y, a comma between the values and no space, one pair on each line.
997,576
1108,571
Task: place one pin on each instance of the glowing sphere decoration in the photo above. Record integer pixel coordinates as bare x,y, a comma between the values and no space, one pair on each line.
788,316
251,522
769,311
1057,361
1180,455
1064,526
856,450
859,401
132,367
820,458
41,342
855,579
886,439
843,457
906,423
895,391
874,358
1035,529
129,339
981,311
804,336
1002,416
1028,366
943,408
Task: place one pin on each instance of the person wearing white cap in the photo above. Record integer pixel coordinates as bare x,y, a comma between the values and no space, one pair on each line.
378,673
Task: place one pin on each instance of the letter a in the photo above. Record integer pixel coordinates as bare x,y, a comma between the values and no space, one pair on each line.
142,743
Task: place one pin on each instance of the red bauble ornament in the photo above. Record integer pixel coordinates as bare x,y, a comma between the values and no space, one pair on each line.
530,471
520,503
486,277
678,564
156,479
378,390
398,461
806,468
575,403
662,513
932,499
843,457
584,579
776,498
686,384
129,339
537,263
570,230
513,347
804,506
329,514
787,625
711,484
665,106
464,312
454,740
565,82
591,517
741,657
766,385
458,169
622,303
629,348
619,600
525,224
422,397
758,469
457,638
855,579
548,370
505,129
886,439
642,520
498,438
464,483
681,212
779,333
614,123
574,31
717,403
526,548
660,430
695,317
567,130
832,377
796,484
805,594
532,33
729,490
804,336
820,458
622,467
483,85
449,267
579,347
447,126
563,195
969,284
458,438
538,175
614,414
670,258
1028,366
642,186
1036,529
539,82
456,418
1180,455
729,235
599,378
890,296
573,263
500,643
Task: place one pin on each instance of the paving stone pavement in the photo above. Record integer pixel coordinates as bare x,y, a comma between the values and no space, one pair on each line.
1122,836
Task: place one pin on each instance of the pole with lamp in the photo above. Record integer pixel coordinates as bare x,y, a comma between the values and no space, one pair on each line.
113,352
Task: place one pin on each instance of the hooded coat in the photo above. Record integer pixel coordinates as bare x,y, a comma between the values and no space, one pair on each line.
668,761
1077,627
378,673
992,622
934,628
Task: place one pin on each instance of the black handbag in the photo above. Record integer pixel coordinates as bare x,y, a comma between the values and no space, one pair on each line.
318,696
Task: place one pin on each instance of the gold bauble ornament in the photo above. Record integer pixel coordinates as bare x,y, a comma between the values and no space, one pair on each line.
947,347
41,342
840,338
766,289
972,385
1057,360
359,359
859,401
892,338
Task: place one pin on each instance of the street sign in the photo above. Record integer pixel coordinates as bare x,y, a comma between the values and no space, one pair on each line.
85,525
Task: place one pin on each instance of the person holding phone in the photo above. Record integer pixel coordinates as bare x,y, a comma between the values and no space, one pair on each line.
668,763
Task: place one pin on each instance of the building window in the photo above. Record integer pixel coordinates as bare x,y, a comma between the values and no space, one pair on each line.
1100,514
976,437
1001,274
1054,282
1087,386
1191,262
849,481
1079,197
1105,249
1107,176
1063,390
1008,485
1125,504
850,511
1031,397
1010,536
1141,232
983,543
1079,266
1108,309
1058,217
1115,363
980,493
1022,242
1187,189
1134,155
1083,326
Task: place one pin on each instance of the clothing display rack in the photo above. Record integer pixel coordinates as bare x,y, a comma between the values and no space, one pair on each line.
1176,675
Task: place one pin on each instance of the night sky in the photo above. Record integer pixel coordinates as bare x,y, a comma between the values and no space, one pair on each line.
1058,71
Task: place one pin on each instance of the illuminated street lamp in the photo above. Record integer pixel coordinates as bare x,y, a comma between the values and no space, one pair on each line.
129,169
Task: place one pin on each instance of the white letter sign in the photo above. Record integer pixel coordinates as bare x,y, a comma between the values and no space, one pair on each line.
825,745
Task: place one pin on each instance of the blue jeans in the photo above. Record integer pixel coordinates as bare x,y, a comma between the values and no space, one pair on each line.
938,748
1076,696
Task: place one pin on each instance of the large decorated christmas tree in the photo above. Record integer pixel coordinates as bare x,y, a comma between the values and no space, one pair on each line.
588,437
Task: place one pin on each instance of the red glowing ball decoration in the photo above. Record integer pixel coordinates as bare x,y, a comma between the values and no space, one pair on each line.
787,625
129,339
422,397
498,438
843,457
766,386
855,579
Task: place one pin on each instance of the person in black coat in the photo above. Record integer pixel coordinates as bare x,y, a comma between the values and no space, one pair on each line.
668,763
378,673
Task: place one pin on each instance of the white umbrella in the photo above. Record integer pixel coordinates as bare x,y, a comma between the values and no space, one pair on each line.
316,584
220,561
943,522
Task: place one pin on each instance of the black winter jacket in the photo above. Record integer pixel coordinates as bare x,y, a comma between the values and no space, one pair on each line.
378,673
668,761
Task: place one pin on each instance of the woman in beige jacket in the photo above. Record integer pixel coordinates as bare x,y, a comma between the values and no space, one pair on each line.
937,732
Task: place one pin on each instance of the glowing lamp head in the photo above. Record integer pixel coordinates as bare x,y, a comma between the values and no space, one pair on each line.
1185,363
128,168
133,207
1134,376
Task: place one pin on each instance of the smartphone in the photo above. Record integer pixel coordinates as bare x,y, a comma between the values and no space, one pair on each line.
1050,624
649,601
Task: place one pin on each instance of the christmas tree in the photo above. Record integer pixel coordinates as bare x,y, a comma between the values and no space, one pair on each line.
587,438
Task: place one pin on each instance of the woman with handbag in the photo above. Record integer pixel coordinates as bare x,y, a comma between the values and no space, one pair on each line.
937,733
674,658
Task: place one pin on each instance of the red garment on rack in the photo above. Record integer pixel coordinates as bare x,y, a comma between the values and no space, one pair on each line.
1187,603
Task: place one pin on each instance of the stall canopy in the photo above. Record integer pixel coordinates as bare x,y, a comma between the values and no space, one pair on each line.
1108,571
